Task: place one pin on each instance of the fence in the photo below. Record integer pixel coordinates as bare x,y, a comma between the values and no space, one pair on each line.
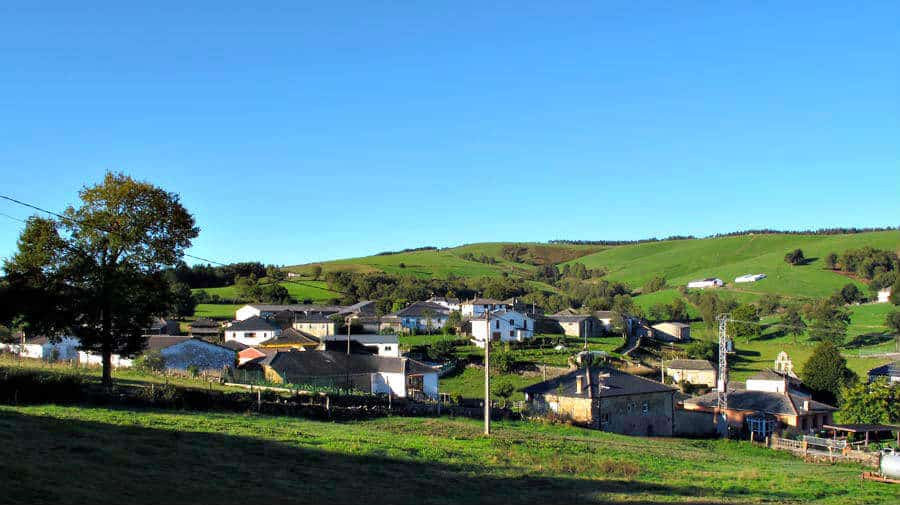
825,449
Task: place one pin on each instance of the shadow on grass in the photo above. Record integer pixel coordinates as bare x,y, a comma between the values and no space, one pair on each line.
98,462
868,339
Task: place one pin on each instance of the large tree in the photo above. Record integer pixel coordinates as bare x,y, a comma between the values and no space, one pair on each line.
744,322
826,373
96,270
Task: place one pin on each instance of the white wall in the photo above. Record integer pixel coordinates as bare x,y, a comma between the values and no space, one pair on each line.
246,312
251,338
772,386
884,295
389,383
86,358
519,325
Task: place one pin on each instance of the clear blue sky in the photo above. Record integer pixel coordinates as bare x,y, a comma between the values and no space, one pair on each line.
306,132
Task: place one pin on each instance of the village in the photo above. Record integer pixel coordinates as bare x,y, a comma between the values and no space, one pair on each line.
351,350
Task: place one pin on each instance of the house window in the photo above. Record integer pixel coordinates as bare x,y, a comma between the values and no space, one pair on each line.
645,408
497,325
511,333
387,348
249,334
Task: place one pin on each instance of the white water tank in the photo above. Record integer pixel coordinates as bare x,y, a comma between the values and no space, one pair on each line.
890,464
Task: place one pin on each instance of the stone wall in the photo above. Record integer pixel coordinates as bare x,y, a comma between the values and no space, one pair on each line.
648,414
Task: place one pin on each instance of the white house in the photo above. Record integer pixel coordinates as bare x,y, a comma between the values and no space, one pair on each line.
505,326
381,345
750,278
774,381
43,348
884,295
154,343
478,306
252,331
706,283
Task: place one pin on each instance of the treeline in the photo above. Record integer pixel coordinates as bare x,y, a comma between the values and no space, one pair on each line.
210,276
879,266
760,231
393,292
621,242
411,249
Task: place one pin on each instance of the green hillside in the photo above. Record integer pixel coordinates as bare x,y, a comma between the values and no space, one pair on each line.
263,459
681,261
456,260
317,291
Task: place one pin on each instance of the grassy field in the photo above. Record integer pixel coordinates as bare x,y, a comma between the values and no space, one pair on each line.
215,310
317,291
680,261
441,263
54,454
866,334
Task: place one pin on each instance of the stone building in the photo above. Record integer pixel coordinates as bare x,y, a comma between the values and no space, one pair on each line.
606,399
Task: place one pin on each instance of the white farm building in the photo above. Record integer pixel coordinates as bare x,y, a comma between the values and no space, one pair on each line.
706,283
750,278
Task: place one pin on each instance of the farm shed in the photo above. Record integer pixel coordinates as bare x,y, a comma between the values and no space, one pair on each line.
671,332
574,325
694,371
204,328
711,282
606,399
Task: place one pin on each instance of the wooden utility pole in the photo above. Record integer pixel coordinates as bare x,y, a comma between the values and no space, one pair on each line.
487,374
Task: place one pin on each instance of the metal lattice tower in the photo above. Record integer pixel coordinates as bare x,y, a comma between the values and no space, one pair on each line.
722,396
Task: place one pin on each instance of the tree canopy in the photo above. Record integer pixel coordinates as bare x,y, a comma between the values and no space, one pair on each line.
825,373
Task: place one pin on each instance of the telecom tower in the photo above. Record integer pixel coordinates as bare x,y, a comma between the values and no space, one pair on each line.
722,396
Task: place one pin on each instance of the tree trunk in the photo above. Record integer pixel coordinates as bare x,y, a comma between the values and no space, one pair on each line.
107,362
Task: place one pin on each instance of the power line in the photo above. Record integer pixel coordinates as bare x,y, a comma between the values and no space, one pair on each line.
95,227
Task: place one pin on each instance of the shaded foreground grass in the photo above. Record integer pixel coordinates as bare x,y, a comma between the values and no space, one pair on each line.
78,455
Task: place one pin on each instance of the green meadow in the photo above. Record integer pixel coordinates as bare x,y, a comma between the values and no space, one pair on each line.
61,454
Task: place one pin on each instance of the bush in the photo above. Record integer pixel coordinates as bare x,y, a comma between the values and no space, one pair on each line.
442,350
503,361
151,361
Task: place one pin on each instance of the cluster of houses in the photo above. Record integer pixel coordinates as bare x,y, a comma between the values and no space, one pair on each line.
304,344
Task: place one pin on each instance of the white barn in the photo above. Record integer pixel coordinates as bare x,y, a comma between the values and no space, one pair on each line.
711,282
749,278
884,295
505,326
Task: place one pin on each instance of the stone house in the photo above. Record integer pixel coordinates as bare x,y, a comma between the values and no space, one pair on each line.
606,399
574,325
694,371
672,332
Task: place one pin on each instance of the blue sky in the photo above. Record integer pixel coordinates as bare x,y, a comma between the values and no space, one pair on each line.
303,132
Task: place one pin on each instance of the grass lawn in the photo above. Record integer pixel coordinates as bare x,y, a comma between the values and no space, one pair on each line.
216,311
317,291
120,375
54,454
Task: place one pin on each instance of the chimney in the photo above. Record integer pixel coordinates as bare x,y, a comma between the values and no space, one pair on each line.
579,384
806,405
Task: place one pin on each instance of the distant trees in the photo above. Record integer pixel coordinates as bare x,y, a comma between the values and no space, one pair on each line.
653,285
793,322
183,301
745,322
828,322
795,257
675,311
825,373
868,262
769,304
892,321
831,261
316,271
875,403
850,294
703,349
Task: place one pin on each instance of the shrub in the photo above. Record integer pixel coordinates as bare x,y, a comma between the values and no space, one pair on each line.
503,361
151,361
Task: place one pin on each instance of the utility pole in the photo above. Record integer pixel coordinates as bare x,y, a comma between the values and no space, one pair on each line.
349,384
487,373
722,386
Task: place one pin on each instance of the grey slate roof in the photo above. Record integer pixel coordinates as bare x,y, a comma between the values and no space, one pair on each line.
889,370
690,364
569,318
604,314
160,342
254,323
762,401
617,384
234,345
291,336
204,322
418,309
328,363
484,301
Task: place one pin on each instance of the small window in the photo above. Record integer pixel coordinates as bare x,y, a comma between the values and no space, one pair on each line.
497,324
512,333
645,408
387,348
